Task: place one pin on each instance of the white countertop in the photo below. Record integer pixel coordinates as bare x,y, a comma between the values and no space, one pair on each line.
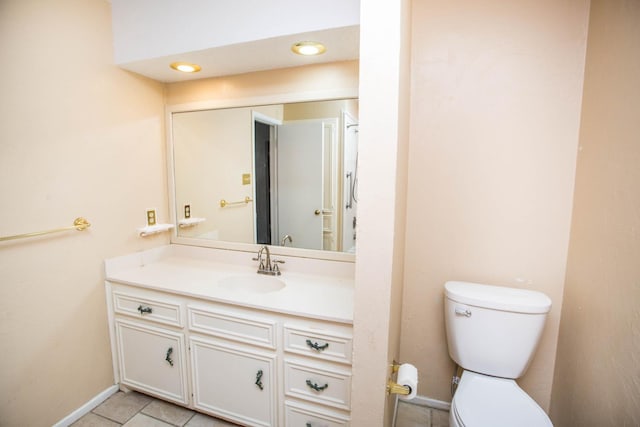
198,272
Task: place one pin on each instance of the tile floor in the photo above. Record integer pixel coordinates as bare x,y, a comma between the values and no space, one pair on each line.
138,410
412,415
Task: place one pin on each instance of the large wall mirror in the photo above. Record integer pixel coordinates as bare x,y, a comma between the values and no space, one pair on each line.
278,174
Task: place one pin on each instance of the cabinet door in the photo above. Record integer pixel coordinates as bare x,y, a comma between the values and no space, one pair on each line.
235,383
152,360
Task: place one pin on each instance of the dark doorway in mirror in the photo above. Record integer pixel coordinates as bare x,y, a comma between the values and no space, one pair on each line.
262,182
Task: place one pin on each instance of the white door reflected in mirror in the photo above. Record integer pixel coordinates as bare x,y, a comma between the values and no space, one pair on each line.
300,183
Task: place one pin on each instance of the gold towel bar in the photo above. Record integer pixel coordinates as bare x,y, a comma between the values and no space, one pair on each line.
79,224
224,203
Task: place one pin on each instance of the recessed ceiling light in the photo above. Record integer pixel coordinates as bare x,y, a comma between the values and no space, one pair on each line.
185,67
308,48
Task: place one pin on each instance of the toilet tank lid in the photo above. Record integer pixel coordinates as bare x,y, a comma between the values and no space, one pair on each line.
498,297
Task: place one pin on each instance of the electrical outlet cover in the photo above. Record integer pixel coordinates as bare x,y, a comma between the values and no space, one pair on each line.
151,217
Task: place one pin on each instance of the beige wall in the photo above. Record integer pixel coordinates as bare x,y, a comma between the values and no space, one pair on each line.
79,137
496,92
308,79
597,378
320,110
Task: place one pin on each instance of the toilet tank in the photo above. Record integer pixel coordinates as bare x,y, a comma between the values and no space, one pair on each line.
493,330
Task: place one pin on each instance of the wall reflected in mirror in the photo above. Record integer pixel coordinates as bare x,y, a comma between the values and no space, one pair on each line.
282,174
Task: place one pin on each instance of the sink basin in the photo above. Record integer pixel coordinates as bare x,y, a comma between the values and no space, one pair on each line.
252,283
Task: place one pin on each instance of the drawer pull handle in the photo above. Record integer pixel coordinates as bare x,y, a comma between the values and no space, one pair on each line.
316,346
168,357
317,387
144,310
259,380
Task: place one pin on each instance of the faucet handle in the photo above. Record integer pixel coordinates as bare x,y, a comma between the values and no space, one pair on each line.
260,260
275,269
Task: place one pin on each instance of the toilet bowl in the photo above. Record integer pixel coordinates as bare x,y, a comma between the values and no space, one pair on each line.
492,334
482,401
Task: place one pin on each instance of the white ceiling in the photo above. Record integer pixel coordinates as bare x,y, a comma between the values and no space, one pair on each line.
342,44
227,38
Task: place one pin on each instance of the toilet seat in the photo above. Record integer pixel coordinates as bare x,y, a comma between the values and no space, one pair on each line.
482,401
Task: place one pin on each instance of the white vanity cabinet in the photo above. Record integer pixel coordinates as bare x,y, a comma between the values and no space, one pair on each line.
233,359
248,365
151,358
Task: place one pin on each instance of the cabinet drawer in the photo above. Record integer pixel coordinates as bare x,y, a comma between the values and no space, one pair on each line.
315,383
298,415
319,343
232,326
148,307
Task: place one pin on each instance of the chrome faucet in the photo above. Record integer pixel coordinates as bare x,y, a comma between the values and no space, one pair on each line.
285,238
266,262
265,265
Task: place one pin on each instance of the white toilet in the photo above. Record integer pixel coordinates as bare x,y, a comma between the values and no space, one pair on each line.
492,333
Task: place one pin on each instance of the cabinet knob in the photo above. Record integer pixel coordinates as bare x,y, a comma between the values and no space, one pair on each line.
259,380
316,346
316,387
168,357
144,310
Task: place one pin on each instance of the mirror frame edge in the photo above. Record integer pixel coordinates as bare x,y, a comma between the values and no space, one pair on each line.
282,98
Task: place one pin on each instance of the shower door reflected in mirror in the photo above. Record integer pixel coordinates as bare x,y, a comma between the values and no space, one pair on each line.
282,170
